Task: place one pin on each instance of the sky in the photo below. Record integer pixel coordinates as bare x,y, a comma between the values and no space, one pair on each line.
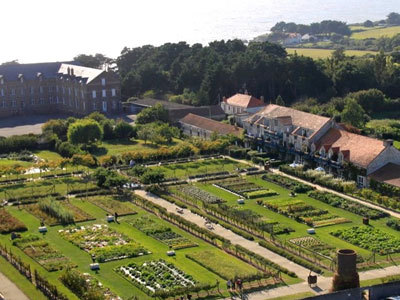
58,30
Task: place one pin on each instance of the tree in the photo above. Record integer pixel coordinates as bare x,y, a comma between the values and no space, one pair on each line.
353,114
372,100
58,127
144,133
123,130
279,101
152,176
97,116
85,131
109,179
368,23
393,19
96,61
152,114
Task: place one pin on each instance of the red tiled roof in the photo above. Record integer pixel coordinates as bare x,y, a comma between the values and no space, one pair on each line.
299,118
243,100
390,174
211,125
358,149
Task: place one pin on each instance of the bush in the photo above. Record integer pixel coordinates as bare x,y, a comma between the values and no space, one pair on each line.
123,130
66,149
17,143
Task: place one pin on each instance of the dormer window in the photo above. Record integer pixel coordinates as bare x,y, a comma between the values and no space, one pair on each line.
39,76
322,151
340,157
21,78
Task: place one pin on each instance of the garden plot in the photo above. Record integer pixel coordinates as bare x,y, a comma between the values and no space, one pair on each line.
113,205
162,233
83,285
224,266
9,224
370,238
244,188
303,212
198,194
314,245
42,252
53,212
153,276
102,241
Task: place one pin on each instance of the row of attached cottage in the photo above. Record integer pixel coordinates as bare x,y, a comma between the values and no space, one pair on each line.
303,137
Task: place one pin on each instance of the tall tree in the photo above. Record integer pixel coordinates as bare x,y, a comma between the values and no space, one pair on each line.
353,114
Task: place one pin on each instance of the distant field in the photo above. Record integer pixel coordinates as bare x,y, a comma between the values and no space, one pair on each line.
324,53
374,32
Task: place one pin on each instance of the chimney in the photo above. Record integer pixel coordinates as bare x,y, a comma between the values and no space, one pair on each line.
346,276
388,143
246,92
262,99
69,71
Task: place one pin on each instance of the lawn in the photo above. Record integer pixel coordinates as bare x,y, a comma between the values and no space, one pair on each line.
4,162
374,32
117,147
54,242
324,53
397,144
206,166
48,156
323,234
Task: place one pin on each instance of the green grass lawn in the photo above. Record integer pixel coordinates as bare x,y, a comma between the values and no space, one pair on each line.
11,163
324,53
296,296
184,170
397,144
107,276
322,233
49,156
117,147
374,32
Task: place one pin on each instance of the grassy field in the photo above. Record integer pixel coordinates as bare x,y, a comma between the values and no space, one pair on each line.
116,147
374,32
48,156
324,53
184,170
11,163
107,275
397,144
322,233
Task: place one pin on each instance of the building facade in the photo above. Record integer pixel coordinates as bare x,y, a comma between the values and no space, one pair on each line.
241,104
57,88
204,128
320,142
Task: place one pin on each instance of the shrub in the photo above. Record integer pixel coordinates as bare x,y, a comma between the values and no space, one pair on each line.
66,149
260,194
16,143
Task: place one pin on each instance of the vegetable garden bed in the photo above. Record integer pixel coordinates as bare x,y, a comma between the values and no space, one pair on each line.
162,233
244,188
198,194
42,252
370,238
155,276
314,245
102,241
113,205
9,224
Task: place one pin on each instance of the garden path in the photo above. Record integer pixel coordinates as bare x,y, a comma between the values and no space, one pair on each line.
318,187
9,290
233,237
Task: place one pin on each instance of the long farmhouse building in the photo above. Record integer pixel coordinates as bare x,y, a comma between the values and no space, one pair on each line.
321,142
57,88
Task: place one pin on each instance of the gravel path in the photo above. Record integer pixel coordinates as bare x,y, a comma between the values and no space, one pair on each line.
9,290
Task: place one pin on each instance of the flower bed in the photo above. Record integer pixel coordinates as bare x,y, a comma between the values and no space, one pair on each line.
260,194
54,212
314,245
42,252
198,194
302,212
86,286
224,266
102,241
162,233
348,205
113,205
9,224
370,238
154,276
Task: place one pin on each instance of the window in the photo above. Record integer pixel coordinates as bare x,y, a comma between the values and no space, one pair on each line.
76,104
32,90
41,101
113,92
84,105
57,100
104,106
94,105
63,90
69,91
2,92
103,81
57,88
94,94
13,92
32,101
76,92
1,81
22,104
14,103
82,95
114,105
103,93
63,100
70,102
22,91
50,89
41,89
3,104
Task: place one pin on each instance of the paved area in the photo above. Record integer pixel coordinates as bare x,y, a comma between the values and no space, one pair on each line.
324,283
9,290
33,124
